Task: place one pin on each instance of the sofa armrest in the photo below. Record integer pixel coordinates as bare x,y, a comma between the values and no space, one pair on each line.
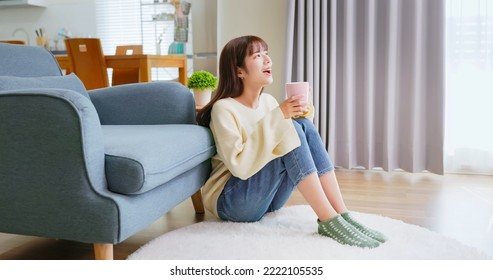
50,126
52,175
144,103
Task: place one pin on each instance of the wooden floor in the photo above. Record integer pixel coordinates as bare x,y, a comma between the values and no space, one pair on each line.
459,206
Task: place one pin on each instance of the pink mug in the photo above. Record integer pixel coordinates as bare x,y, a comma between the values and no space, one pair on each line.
298,88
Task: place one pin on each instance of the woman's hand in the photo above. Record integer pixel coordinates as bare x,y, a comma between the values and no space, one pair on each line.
293,106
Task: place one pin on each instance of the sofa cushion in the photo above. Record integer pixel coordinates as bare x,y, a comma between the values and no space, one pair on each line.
26,61
139,158
71,82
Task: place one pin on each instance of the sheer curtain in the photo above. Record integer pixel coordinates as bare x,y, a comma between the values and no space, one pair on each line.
469,86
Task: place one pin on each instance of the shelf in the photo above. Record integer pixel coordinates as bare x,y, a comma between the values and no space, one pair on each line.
158,20
157,4
22,3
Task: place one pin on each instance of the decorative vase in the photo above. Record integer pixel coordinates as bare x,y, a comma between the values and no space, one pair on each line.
202,96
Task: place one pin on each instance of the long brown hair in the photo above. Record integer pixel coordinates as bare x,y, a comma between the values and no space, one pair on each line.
230,85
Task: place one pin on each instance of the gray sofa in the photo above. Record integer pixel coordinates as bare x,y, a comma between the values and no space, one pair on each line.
98,166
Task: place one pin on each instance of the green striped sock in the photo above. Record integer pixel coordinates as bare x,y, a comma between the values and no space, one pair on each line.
341,231
367,231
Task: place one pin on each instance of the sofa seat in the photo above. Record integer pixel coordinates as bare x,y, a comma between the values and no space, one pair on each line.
137,161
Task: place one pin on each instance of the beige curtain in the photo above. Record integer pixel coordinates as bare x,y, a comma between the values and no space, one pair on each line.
380,102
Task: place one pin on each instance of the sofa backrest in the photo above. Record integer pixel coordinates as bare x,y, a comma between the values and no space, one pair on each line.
27,61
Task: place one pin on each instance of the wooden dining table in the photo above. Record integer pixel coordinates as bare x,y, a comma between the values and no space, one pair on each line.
144,62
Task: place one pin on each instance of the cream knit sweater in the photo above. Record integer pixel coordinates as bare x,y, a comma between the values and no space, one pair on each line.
246,140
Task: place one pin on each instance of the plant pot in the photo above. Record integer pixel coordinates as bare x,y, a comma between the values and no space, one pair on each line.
202,96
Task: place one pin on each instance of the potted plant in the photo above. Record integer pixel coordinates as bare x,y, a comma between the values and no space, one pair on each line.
202,83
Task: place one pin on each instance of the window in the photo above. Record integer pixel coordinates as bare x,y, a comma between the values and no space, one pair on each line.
469,86
128,22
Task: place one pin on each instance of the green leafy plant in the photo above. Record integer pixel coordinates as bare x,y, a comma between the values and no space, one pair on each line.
202,80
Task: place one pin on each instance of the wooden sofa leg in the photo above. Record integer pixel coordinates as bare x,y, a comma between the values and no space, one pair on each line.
197,203
103,251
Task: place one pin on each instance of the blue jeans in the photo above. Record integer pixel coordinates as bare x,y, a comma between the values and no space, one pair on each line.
269,189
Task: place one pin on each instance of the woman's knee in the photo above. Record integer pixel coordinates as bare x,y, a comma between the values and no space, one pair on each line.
306,130
305,124
299,128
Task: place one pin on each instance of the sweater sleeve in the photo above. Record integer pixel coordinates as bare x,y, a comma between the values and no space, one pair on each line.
244,154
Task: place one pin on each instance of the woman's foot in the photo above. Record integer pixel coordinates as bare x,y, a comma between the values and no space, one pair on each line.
343,232
367,231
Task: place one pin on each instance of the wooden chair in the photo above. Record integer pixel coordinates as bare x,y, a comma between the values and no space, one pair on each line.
87,60
17,42
126,76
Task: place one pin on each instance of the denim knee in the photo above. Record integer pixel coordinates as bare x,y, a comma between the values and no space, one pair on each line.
308,132
305,123
299,129
299,162
307,127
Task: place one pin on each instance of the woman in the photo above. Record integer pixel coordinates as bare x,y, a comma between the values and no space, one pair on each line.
266,149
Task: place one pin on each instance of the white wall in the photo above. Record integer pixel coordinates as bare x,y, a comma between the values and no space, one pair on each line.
78,16
264,18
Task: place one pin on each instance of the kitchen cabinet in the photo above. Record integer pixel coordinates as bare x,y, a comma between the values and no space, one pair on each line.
22,3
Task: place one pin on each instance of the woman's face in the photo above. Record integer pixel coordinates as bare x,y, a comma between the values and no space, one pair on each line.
258,69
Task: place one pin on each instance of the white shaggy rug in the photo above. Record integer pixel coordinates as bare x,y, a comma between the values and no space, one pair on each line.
290,233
